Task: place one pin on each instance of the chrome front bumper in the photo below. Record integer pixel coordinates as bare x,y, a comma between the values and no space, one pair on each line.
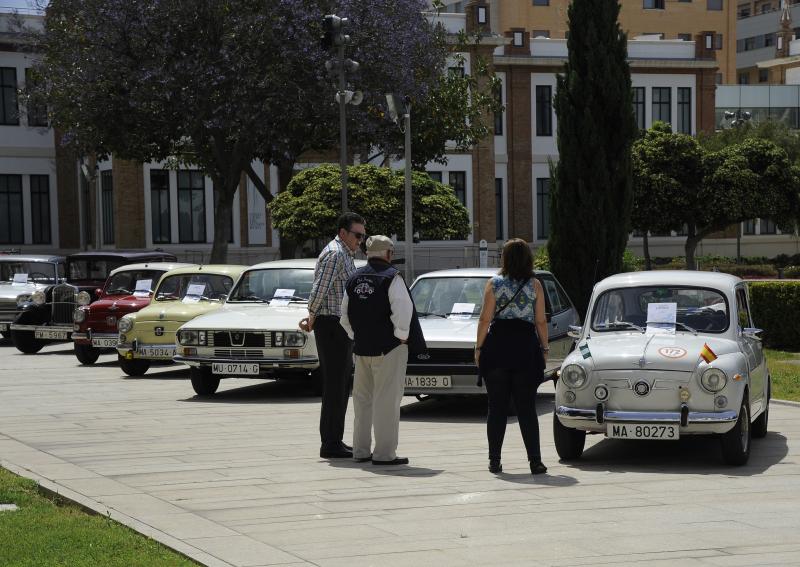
266,364
88,336
696,422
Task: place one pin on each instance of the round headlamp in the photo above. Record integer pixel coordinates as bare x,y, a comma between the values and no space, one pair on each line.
294,339
83,298
713,380
125,324
574,376
38,297
23,298
79,315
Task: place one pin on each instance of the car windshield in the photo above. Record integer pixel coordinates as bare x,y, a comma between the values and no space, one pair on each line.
96,269
267,284
128,282
449,296
626,309
194,287
22,272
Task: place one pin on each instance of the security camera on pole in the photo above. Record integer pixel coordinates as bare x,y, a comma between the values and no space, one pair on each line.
334,37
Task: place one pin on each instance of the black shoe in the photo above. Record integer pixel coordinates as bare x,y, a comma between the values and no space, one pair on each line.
340,451
395,461
495,466
537,467
362,459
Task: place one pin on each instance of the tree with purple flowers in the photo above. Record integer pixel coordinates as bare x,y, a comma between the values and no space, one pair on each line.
221,83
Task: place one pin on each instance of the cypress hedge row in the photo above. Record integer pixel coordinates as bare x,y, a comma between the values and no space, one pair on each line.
776,309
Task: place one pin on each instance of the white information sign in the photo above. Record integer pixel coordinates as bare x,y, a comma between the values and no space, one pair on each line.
284,293
661,318
462,311
282,297
143,288
20,279
194,293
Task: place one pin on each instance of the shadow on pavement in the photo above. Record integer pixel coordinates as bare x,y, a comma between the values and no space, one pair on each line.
539,479
174,374
280,391
690,455
464,409
399,470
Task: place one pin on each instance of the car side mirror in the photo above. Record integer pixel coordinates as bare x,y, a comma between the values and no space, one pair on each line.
574,331
752,333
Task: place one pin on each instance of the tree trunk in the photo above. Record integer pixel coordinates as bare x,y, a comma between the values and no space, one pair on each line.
692,240
259,185
285,174
648,265
223,207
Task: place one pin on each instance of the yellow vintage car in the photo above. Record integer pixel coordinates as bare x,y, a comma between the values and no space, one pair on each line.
180,295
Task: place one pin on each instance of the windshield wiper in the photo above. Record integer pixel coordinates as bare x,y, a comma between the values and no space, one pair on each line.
427,314
291,298
460,313
250,298
616,324
123,290
687,327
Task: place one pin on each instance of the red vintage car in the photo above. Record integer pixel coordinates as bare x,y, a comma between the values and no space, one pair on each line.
127,289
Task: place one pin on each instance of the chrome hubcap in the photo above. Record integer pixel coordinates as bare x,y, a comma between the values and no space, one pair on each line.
745,417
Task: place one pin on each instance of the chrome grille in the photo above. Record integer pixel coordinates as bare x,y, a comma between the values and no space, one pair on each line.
234,338
445,356
8,310
63,304
244,353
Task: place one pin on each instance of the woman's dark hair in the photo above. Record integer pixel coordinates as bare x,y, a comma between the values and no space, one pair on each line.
516,261
347,220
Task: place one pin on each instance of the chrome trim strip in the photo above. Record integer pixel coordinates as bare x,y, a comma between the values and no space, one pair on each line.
16,327
264,361
695,417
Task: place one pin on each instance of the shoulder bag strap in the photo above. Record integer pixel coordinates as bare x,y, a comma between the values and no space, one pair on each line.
516,293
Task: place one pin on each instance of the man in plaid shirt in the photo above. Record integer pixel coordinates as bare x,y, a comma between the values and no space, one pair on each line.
335,349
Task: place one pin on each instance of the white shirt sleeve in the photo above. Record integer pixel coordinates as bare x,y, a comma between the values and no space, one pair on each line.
344,320
402,308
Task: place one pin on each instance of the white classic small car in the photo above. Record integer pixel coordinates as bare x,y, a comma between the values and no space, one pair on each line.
255,334
665,354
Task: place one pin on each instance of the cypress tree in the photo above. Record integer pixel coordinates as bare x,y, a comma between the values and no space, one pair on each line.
591,185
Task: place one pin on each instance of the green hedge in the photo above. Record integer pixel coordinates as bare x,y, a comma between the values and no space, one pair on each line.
776,309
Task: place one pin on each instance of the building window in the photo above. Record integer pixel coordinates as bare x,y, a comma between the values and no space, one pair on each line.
498,208
685,110
191,206
662,104
718,41
11,231
541,2
159,206
519,39
715,5
685,36
709,41
767,227
458,181
540,33
9,115
639,106
749,43
744,11
763,75
718,78
37,113
40,209
498,116
744,78
766,7
107,202
769,39
481,14
435,175
749,227
653,4
457,71
544,110
542,208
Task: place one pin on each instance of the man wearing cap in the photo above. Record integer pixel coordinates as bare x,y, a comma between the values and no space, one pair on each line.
378,314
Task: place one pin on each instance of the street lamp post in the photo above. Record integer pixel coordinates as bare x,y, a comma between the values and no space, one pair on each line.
394,104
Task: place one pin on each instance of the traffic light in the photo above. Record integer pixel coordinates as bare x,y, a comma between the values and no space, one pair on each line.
333,28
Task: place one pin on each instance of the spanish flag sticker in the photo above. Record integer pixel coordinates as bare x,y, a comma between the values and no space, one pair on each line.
707,354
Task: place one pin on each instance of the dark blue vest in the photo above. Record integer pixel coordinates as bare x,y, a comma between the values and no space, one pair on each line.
369,310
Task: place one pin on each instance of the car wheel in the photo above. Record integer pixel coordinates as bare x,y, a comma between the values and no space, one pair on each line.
762,421
736,442
316,382
134,367
569,442
86,354
26,342
203,382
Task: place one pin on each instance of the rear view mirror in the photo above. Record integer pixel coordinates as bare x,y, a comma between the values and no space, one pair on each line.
574,331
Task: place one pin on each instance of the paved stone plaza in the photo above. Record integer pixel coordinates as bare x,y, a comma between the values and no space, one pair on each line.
236,480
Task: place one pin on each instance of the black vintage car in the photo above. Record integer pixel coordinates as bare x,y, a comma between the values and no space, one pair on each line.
46,315
20,276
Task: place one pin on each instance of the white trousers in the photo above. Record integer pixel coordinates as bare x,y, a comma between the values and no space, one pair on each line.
377,393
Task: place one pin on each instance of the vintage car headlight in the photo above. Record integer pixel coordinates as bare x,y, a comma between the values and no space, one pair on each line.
125,325
83,298
38,297
574,376
188,337
79,315
294,339
713,380
23,298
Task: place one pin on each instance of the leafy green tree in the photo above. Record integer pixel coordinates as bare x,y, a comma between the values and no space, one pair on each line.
772,130
667,175
311,203
591,191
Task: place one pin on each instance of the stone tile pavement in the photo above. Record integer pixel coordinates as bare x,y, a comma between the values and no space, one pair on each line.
236,480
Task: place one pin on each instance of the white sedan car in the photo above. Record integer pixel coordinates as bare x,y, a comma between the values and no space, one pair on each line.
665,354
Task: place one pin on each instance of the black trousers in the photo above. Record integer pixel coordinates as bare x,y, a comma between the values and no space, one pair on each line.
335,352
503,386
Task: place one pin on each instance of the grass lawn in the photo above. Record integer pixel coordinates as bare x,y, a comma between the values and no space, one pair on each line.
44,532
784,367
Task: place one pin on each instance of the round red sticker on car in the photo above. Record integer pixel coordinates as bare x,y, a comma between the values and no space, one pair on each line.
672,352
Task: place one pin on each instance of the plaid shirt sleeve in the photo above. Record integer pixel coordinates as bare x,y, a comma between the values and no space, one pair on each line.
328,267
